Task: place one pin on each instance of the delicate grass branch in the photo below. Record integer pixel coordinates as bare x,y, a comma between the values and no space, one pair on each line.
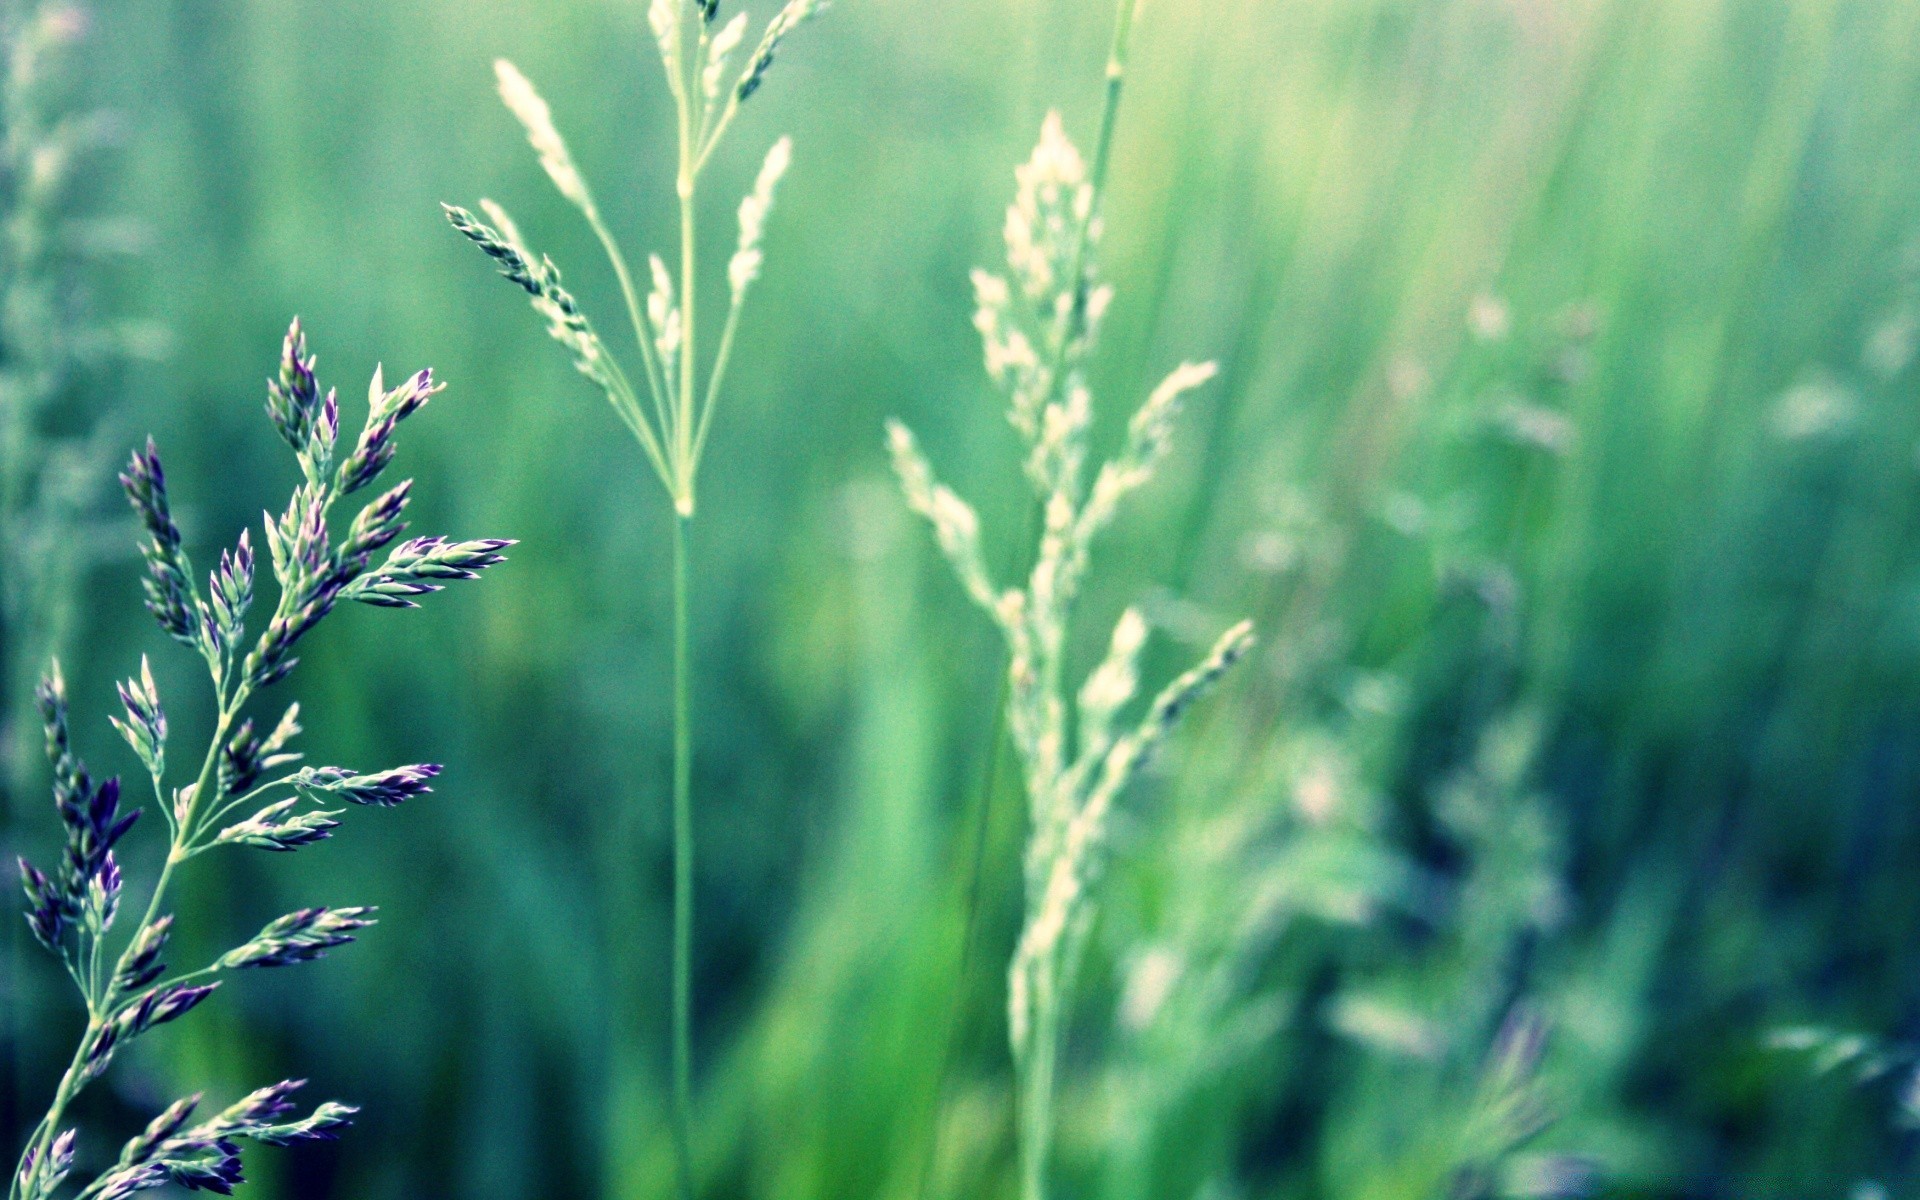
672,429
1038,324
72,909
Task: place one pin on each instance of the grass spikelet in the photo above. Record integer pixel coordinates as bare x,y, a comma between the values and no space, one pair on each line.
532,112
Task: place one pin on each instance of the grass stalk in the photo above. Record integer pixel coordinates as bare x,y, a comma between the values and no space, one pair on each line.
683,851
695,55
1076,761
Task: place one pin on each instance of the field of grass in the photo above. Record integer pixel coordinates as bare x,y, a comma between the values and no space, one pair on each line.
1556,837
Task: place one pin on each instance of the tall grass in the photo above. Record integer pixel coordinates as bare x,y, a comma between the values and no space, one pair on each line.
1039,324
73,908
1692,558
682,391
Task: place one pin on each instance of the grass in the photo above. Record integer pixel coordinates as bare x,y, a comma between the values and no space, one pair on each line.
708,93
1039,324
1699,595
73,908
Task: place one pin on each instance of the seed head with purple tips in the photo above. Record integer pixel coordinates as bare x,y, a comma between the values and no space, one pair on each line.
246,792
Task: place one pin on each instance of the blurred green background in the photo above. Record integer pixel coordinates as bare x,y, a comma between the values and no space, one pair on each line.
1565,452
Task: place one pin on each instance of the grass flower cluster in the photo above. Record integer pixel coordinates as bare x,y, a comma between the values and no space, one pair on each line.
244,791
671,423
1038,324
709,82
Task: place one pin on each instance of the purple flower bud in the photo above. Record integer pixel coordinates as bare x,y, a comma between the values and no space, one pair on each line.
51,698
385,410
326,431
175,1002
100,1051
94,824
388,788
411,396
273,828
220,1173
103,892
262,1106
376,526
158,1006
231,588
323,1126
45,914
145,728
272,659
258,1116
240,760
384,789
245,755
58,1166
123,1182
417,567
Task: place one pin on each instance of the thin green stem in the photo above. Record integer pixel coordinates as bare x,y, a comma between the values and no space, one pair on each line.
49,1126
682,873
627,406
1036,1092
719,373
186,830
683,502
643,331
969,925
98,1007
683,411
220,813
1073,322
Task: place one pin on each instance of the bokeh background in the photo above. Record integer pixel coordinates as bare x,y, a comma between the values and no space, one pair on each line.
1566,452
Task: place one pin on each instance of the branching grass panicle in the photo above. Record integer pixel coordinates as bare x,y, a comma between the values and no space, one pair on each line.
244,792
681,382
1038,324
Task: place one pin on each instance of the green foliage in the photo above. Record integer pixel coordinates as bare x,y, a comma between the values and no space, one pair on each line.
1566,386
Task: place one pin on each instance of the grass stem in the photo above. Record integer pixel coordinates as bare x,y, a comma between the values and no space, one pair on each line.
682,873
970,884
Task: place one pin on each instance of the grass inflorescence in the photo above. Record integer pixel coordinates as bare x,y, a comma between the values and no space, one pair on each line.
682,389
1038,324
245,791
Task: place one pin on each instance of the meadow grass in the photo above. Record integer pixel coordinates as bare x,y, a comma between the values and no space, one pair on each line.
1039,324
1565,374
708,89
73,908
